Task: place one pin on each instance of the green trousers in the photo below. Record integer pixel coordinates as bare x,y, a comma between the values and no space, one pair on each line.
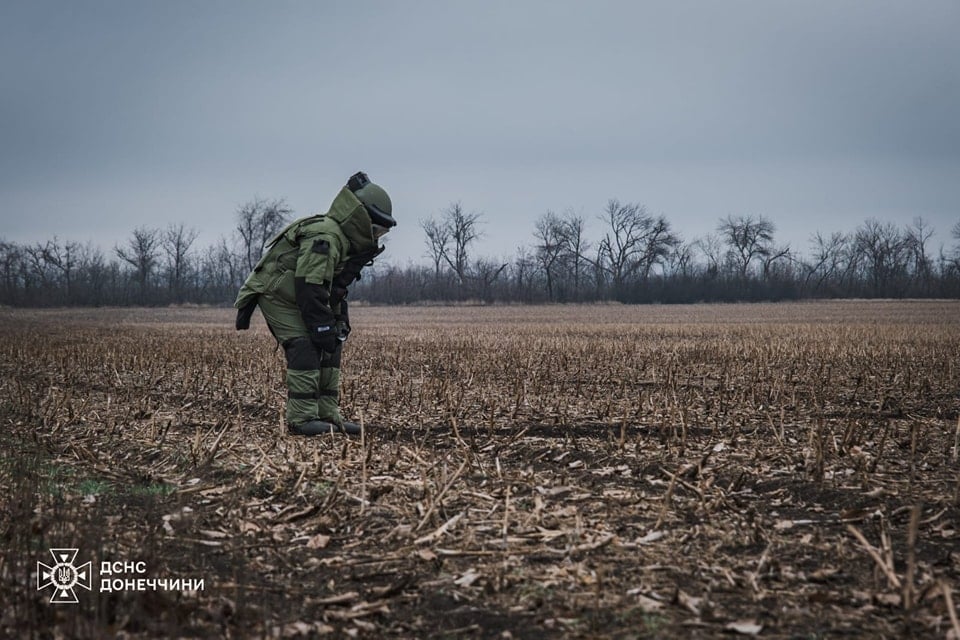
313,375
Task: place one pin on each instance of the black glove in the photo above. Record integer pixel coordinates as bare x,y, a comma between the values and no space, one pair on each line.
244,313
343,322
325,338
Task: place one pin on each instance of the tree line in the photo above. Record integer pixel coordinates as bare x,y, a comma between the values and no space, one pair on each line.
627,254
638,257
156,266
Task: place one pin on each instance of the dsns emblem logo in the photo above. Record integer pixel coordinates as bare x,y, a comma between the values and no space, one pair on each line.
63,576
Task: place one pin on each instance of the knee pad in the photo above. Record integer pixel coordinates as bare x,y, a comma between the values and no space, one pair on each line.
301,354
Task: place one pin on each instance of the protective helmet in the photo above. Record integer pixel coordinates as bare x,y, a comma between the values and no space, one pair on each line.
374,199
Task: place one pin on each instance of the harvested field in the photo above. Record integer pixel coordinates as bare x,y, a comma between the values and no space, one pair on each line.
769,470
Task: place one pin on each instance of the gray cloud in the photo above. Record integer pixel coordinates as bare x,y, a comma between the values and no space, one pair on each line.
817,113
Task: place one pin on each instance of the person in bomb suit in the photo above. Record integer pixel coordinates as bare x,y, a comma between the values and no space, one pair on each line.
300,285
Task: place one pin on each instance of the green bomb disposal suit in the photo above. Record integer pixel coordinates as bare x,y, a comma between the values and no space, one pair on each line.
300,285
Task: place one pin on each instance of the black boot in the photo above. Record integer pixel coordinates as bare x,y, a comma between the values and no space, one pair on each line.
312,428
351,428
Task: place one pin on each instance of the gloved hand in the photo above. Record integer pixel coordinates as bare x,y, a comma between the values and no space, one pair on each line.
343,322
244,313
325,338
343,330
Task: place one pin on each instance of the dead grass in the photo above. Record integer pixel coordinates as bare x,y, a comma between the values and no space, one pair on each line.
591,471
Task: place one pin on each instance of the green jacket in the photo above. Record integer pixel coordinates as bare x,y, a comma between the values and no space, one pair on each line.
311,262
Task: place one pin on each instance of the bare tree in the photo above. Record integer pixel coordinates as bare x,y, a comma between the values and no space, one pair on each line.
37,273
223,270
951,263
680,260
94,274
658,242
11,260
884,251
828,260
550,235
621,242
955,233
769,263
748,238
635,242
523,267
437,241
917,235
141,254
449,239
487,272
464,230
575,248
711,246
63,258
258,221
176,242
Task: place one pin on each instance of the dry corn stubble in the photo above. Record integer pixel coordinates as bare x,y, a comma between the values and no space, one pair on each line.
548,471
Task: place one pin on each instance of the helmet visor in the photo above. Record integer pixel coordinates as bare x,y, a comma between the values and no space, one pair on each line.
379,216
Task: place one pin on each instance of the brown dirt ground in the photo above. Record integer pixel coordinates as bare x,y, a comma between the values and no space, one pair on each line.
777,470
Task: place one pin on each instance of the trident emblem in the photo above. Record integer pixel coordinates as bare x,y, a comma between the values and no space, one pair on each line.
63,576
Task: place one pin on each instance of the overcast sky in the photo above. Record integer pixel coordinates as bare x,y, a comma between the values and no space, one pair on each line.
817,113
